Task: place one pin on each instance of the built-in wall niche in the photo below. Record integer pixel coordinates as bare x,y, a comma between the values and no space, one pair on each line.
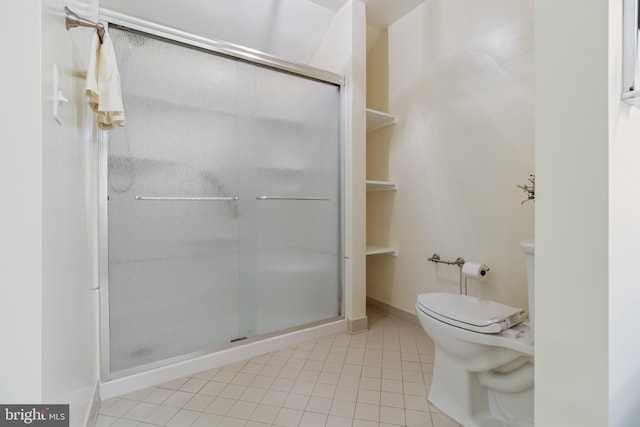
379,190
630,57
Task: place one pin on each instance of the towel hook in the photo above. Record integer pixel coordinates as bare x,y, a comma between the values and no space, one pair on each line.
73,20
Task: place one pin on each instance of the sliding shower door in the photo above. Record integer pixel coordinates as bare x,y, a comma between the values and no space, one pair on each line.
223,211
290,179
172,208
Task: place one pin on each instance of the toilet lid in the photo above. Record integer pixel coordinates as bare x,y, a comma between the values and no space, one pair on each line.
469,312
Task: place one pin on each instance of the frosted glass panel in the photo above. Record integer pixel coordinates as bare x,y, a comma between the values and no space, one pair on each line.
173,265
224,203
289,142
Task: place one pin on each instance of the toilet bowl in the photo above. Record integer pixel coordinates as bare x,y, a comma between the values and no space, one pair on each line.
483,367
484,359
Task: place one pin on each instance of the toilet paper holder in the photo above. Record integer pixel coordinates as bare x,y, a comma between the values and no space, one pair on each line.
459,262
436,258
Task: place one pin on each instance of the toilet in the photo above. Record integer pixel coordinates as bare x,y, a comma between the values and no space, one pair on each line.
484,356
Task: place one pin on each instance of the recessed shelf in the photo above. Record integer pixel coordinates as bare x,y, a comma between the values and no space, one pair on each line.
378,119
381,186
381,250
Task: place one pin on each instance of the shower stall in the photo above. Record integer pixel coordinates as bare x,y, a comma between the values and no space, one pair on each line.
221,213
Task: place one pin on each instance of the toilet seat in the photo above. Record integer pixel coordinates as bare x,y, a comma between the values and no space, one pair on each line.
469,312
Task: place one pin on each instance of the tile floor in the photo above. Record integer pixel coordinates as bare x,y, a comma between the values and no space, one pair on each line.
378,378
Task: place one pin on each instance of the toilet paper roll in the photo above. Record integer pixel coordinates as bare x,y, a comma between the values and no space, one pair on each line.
475,270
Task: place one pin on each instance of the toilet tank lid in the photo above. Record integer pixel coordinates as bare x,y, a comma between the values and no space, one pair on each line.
470,310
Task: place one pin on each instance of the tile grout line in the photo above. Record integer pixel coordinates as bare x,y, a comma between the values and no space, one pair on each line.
337,359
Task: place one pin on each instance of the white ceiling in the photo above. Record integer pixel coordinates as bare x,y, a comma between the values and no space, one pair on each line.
289,29
334,5
380,13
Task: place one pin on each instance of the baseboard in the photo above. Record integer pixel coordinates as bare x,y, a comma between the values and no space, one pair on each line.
356,326
94,406
392,311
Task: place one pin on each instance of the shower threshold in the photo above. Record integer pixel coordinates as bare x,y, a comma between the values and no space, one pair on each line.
127,382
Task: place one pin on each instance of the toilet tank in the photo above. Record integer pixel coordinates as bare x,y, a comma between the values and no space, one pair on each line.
528,248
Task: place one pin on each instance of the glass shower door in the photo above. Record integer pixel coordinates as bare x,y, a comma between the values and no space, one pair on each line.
223,203
290,199
172,209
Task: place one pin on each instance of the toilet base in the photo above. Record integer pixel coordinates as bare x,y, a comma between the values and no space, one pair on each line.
460,394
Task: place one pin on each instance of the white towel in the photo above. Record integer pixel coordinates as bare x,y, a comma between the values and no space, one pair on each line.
103,84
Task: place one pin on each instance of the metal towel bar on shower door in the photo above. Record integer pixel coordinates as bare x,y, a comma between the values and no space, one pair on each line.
224,199
189,199
290,198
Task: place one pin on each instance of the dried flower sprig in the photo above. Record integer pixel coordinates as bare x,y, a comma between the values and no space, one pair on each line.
530,189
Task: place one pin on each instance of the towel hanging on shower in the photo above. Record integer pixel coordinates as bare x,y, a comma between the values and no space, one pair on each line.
103,84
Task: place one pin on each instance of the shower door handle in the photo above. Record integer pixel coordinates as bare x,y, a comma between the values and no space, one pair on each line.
189,199
290,198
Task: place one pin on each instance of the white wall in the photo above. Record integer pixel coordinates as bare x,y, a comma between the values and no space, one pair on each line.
343,51
572,220
49,172
461,84
624,235
69,218
20,213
